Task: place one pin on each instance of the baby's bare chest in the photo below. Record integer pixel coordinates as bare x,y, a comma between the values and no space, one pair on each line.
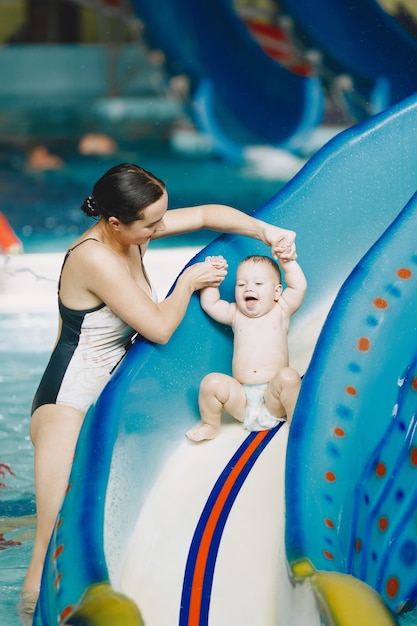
266,328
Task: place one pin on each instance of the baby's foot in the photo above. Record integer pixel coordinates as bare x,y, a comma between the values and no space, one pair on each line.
200,433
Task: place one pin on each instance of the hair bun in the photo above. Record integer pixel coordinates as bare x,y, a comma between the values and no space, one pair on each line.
90,206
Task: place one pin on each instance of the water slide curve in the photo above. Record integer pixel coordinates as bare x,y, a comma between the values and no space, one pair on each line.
359,39
241,95
161,520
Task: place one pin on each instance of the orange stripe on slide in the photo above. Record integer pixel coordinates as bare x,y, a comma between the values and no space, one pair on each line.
206,539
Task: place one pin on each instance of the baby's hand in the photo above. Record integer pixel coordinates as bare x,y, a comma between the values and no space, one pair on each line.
204,274
218,262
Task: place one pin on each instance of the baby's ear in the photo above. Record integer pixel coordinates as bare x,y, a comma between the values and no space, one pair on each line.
278,292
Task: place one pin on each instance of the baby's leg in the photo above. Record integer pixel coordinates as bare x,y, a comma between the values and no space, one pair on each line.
282,393
217,392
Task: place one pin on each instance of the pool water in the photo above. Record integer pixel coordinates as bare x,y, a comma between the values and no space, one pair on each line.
25,341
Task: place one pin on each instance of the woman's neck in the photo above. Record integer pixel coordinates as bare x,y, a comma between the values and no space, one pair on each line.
109,237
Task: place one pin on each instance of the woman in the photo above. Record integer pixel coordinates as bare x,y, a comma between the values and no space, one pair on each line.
104,298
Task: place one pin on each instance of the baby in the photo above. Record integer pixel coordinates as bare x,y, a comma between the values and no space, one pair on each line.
263,389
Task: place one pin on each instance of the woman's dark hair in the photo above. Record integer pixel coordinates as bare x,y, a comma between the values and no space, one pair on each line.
122,192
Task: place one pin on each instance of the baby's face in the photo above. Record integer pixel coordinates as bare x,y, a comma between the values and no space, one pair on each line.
257,288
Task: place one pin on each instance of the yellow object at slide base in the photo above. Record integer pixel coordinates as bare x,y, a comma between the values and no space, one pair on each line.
344,600
102,606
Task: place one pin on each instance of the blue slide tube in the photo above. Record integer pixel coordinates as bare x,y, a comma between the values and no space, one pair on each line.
340,204
352,456
245,97
360,39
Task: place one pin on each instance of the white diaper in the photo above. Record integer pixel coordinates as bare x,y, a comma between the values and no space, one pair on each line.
257,416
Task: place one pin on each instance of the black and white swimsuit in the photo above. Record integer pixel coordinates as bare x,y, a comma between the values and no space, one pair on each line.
90,345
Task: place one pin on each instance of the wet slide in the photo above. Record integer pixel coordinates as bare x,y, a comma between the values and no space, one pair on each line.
241,95
183,528
361,41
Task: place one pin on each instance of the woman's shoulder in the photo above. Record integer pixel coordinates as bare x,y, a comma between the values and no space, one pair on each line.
80,241
90,273
88,255
89,246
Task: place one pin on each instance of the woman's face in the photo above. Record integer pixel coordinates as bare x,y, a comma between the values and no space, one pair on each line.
151,220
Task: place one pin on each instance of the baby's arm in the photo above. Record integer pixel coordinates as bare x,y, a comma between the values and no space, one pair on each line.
210,300
296,285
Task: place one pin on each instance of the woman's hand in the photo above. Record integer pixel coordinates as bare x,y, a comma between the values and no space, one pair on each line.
284,251
282,242
205,274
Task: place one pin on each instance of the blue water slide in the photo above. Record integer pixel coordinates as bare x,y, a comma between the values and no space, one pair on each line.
341,203
241,95
351,504
360,39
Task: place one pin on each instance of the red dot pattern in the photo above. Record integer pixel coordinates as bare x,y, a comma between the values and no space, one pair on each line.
404,272
380,470
59,550
380,303
66,612
57,581
364,345
392,587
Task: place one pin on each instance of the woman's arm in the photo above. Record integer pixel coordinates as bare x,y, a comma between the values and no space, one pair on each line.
226,219
116,287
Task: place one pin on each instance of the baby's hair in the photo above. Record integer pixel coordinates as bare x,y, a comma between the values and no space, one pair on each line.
259,258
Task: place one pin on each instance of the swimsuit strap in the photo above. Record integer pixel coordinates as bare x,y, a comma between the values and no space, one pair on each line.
94,239
69,252
144,269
